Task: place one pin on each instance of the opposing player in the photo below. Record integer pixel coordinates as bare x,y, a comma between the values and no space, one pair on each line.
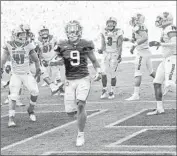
166,71
111,48
73,53
19,51
46,43
143,55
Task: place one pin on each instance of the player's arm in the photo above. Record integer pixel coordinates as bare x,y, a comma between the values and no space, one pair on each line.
4,57
103,44
96,65
119,46
35,59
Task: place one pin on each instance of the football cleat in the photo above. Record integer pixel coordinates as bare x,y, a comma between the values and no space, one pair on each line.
111,95
11,122
156,112
80,140
104,94
133,97
6,101
31,114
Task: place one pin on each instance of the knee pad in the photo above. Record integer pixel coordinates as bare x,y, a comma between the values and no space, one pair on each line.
34,92
13,97
137,73
71,114
81,103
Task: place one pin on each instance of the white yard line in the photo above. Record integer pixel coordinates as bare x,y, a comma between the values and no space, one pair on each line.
126,138
48,131
143,146
146,127
109,152
126,118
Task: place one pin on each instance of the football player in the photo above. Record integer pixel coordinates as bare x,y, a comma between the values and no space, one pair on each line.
111,48
19,51
143,55
166,71
73,53
46,43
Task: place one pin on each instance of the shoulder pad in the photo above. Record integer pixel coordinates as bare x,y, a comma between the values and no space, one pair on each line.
87,44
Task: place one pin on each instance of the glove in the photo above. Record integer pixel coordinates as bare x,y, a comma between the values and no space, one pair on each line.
37,75
1,72
45,63
100,51
119,59
8,69
126,39
132,49
154,43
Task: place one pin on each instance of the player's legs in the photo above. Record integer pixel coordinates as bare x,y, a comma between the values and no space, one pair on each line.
82,92
149,66
31,84
137,79
170,74
113,72
14,86
159,79
104,67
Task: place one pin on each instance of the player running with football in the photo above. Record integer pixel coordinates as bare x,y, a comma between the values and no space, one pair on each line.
166,71
73,53
143,55
111,48
19,51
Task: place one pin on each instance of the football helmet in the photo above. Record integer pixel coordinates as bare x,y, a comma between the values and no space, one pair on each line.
73,30
111,23
44,31
19,34
164,20
137,19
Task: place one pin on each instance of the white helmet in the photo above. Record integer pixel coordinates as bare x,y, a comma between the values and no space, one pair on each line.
137,19
164,20
44,31
111,23
19,34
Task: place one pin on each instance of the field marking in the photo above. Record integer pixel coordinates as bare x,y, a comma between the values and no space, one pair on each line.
126,138
45,112
142,146
100,102
125,118
146,127
49,131
108,152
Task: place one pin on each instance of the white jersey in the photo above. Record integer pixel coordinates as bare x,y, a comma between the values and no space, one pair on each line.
19,56
47,47
109,40
136,31
168,49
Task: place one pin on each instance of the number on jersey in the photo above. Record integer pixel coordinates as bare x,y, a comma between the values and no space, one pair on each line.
75,58
19,58
109,43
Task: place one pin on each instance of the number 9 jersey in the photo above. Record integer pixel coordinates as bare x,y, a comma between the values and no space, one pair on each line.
19,56
75,57
109,40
